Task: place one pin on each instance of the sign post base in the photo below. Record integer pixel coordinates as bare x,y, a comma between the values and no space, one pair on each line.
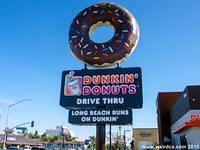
100,137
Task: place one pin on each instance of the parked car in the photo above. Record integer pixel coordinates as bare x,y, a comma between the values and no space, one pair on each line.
27,148
12,148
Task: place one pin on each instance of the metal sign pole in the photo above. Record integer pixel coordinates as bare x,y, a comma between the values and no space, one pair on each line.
110,138
85,66
100,137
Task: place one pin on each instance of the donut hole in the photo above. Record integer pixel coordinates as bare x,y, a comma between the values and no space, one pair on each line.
101,32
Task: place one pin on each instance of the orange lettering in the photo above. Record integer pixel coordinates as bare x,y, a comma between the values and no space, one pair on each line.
87,80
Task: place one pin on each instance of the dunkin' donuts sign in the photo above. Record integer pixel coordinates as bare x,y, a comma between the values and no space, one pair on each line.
99,84
120,87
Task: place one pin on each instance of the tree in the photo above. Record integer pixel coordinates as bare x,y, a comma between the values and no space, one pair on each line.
30,135
92,144
36,135
69,137
117,145
25,132
52,138
117,142
44,137
10,131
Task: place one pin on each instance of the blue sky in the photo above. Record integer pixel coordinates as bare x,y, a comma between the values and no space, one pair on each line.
34,51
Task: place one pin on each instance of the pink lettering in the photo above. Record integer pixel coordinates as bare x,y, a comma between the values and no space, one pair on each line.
86,90
96,90
115,89
124,88
132,89
106,90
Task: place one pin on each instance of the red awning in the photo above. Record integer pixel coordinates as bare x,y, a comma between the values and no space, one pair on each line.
186,125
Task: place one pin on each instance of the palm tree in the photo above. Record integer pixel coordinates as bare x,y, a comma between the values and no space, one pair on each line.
69,137
92,144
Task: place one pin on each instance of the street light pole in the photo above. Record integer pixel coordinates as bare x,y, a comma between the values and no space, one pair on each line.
125,139
6,128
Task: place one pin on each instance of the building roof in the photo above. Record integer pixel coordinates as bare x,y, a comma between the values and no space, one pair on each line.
166,100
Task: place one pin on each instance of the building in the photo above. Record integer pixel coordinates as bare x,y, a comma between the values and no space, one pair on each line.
145,138
165,102
179,118
54,132
21,141
58,131
185,118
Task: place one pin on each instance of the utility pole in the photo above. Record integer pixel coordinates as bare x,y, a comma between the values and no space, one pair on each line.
120,133
63,144
125,139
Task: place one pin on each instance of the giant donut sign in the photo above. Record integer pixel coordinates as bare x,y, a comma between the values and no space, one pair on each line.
114,51
119,87
102,96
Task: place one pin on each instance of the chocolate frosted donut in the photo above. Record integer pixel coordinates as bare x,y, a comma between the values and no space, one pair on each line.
111,52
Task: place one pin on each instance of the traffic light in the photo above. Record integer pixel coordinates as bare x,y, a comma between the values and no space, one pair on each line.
32,123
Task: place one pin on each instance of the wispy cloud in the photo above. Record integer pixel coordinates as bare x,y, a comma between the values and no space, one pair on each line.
6,101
